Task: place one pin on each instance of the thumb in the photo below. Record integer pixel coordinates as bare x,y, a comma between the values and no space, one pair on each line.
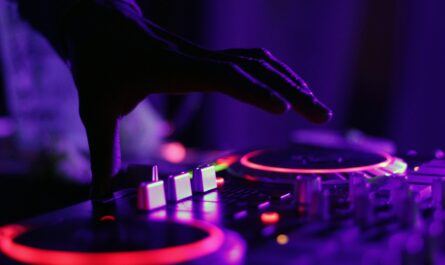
102,128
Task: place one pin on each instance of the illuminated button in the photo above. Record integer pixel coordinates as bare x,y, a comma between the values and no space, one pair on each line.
397,166
270,218
204,179
282,239
151,195
179,187
219,182
240,215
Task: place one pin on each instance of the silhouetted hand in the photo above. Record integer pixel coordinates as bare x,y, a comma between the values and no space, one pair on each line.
118,58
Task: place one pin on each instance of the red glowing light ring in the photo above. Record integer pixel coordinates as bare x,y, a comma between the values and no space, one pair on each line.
245,161
169,255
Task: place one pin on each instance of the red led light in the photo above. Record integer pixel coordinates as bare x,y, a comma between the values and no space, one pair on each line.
245,161
270,218
169,255
219,182
107,218
250,178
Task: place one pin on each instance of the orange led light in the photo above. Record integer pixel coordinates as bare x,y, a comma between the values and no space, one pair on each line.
270,218
282,239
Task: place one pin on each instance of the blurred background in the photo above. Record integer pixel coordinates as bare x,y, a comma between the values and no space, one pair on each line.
378,64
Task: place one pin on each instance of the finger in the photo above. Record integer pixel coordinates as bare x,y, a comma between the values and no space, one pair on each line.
102,128
264,54
182,44
304,103
307,105
247,89
191,74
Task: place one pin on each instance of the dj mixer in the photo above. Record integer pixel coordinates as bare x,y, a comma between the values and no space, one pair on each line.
305,204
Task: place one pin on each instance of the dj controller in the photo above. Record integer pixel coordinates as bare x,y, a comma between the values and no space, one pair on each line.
305,204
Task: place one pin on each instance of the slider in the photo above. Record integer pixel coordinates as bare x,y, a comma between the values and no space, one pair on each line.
204,179
151,195
179,187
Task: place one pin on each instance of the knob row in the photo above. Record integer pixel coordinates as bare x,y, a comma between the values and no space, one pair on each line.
156,194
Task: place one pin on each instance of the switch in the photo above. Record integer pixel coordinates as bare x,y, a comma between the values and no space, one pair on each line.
179,187
154,173
151,195
204,179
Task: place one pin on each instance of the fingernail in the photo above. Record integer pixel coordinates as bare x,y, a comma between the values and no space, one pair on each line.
321,113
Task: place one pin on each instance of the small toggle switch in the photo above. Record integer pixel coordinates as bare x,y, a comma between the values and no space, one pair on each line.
154,173
179,187
151,195
204,179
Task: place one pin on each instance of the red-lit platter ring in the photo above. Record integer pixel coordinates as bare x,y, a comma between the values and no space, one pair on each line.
245,161
170,255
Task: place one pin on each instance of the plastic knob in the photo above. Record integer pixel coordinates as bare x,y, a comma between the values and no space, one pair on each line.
151,195
204,179
179,187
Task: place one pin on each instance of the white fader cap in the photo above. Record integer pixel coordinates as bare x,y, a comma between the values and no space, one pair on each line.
204,179
179,187
151,195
